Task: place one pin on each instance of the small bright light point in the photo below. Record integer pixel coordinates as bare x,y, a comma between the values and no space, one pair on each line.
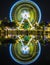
25,50
25,15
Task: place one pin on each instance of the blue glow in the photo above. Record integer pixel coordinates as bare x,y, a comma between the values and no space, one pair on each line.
10,15
39,52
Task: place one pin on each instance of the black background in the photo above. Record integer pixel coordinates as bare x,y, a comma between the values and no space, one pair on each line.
5,58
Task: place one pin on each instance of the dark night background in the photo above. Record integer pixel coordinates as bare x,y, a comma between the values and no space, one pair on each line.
5,6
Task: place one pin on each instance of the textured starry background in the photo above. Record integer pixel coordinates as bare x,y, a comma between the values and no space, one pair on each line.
5,6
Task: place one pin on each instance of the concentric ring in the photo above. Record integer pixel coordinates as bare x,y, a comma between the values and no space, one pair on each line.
23,1
37,56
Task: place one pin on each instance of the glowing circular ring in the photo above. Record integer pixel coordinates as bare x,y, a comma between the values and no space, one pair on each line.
10,15
39,52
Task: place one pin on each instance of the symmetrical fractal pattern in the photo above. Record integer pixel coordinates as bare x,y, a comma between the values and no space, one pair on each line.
25,30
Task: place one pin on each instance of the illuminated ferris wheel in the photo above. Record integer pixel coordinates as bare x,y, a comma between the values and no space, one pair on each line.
27,49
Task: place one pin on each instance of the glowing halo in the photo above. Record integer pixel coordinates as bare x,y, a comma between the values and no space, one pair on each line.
22,1
37,56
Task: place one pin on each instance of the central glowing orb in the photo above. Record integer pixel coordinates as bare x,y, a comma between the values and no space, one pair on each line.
25,50
25,15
